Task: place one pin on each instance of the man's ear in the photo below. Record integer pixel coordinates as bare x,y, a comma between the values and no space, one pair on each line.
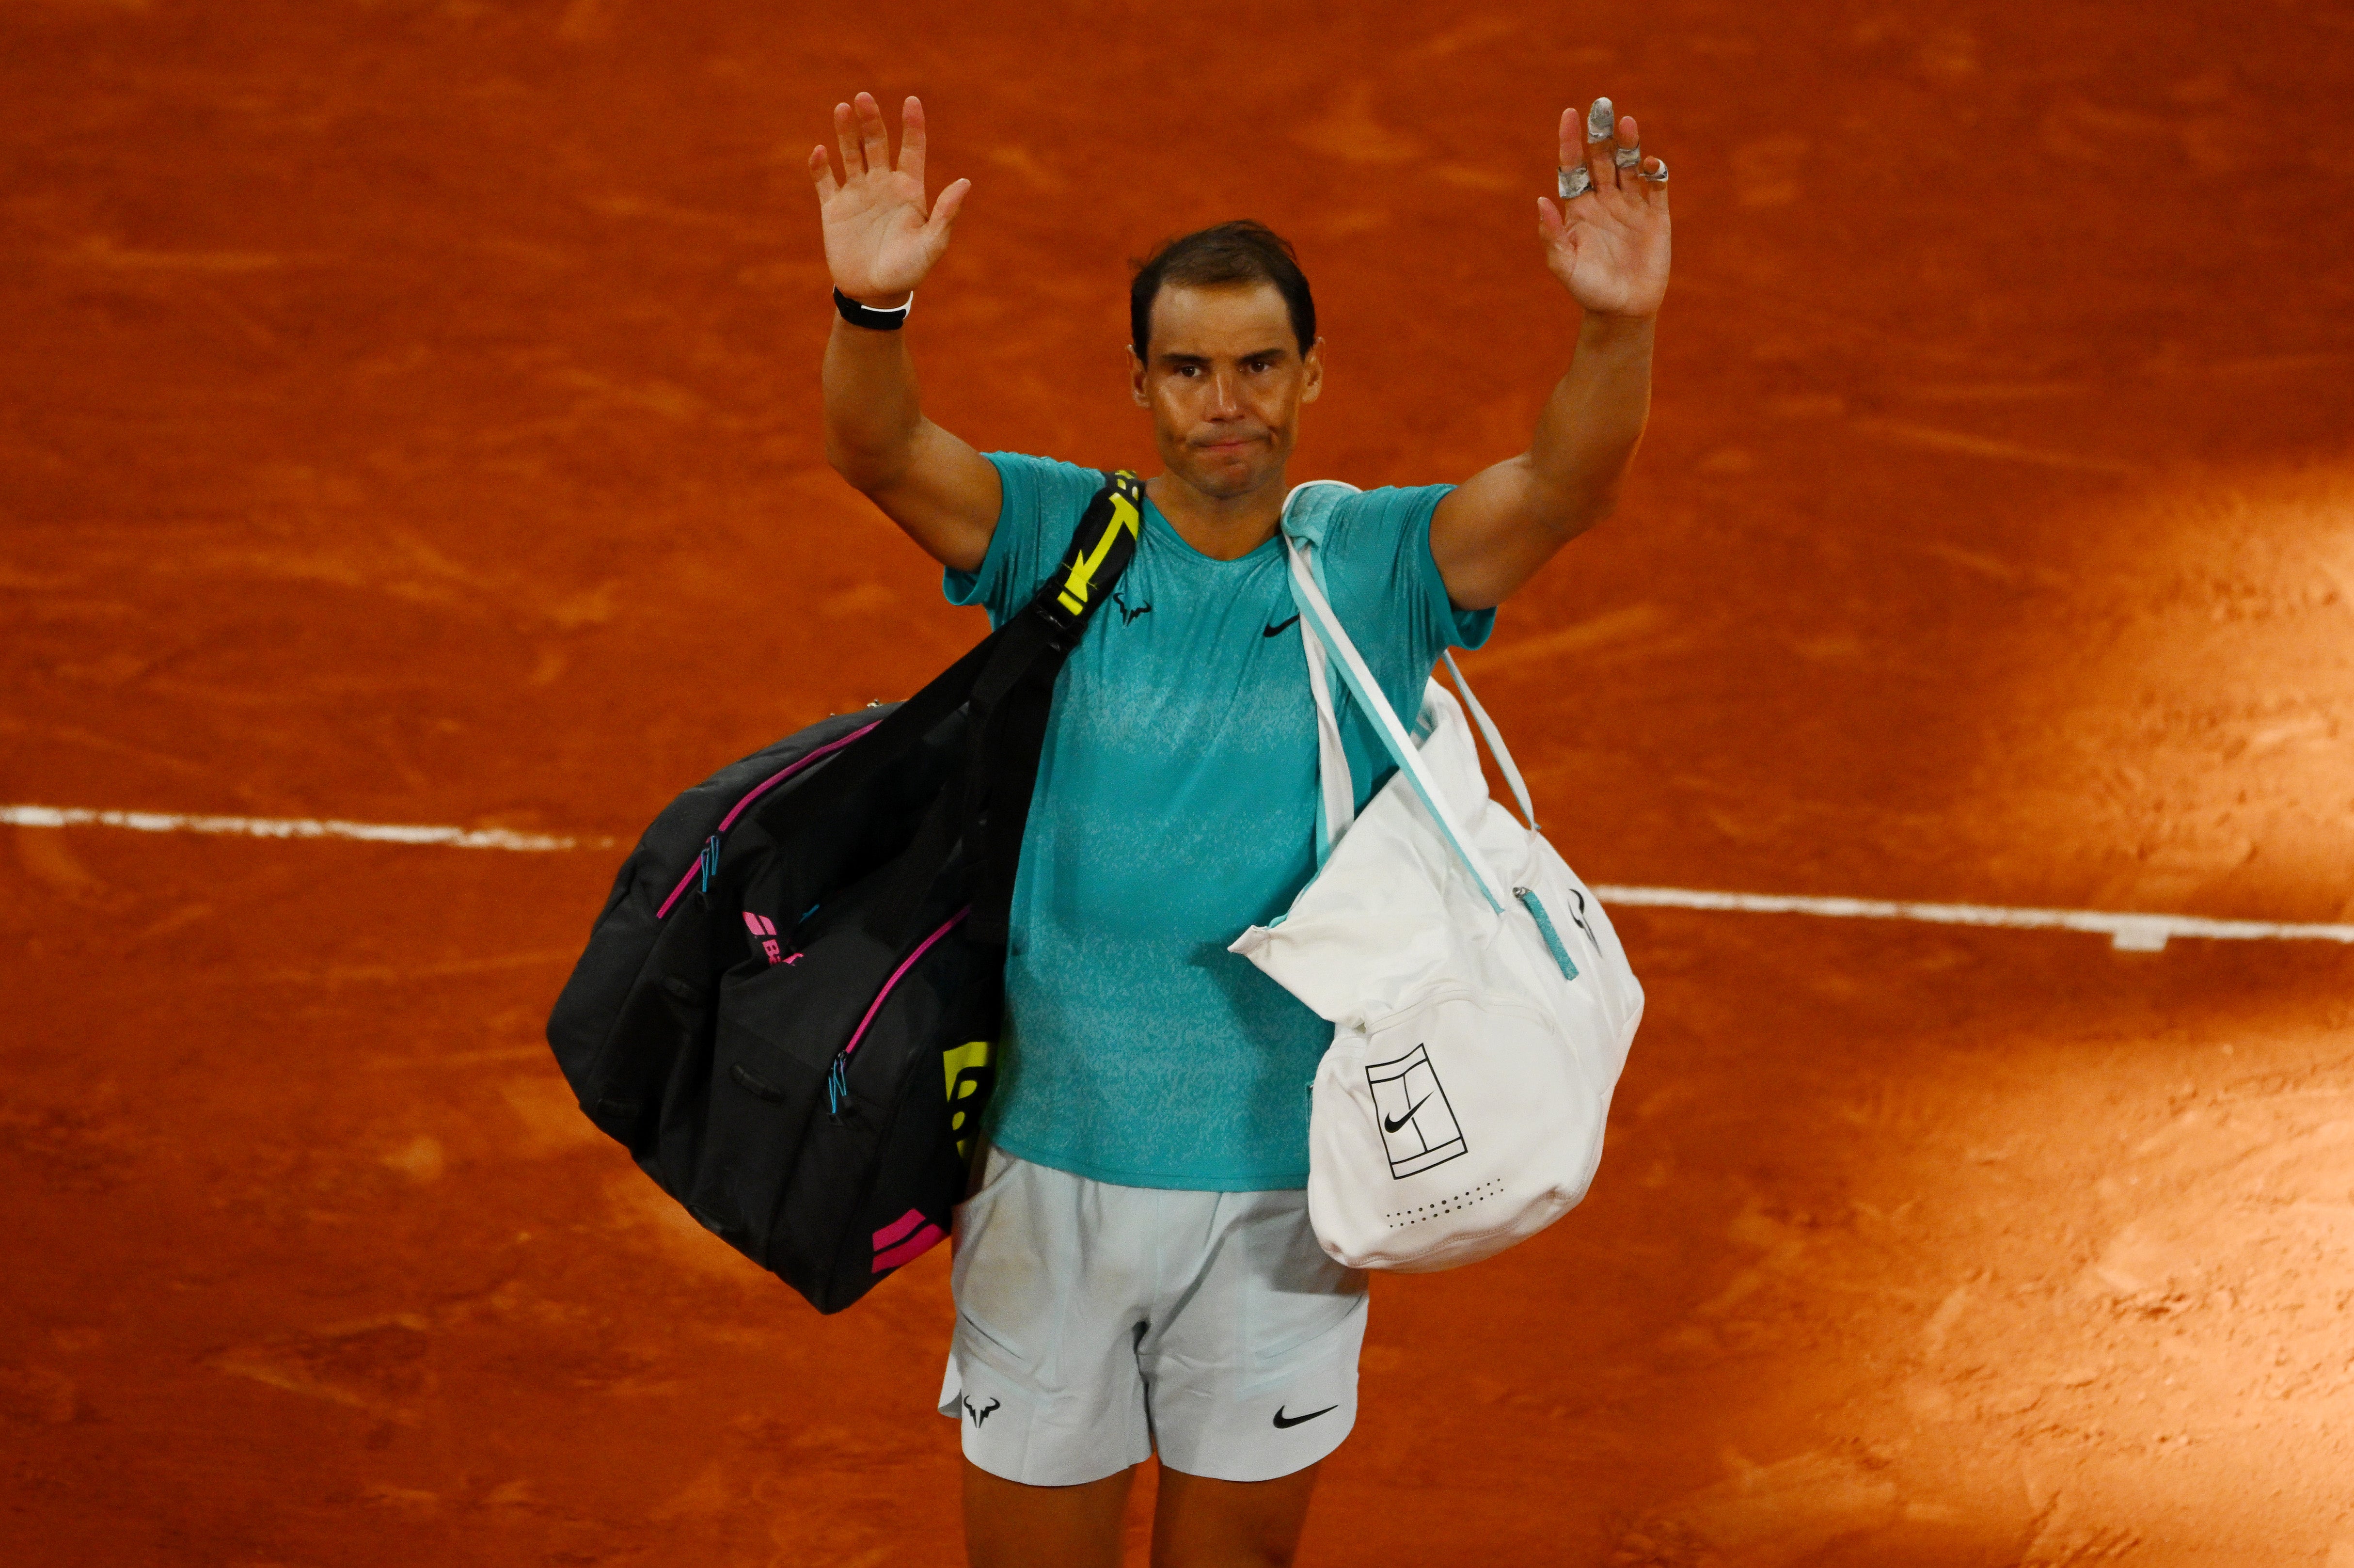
1312,372
1136,378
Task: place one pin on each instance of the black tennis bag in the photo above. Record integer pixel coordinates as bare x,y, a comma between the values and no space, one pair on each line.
789,1010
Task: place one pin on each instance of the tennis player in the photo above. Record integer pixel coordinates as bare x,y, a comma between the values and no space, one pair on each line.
1134,1271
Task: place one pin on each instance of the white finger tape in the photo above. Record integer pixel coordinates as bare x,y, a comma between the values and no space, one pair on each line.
1601,120
1575,183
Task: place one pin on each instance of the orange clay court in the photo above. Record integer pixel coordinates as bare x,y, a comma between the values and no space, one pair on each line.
408,413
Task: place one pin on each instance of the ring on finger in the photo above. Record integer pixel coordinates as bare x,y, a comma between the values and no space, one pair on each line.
1628,157
1660,177
1575,182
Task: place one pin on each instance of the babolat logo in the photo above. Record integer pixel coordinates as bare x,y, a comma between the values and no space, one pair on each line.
764,931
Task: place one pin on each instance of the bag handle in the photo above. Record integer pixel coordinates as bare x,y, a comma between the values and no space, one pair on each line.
1331,640
1336,793
1336,789
1495,746
1012,700
1310,529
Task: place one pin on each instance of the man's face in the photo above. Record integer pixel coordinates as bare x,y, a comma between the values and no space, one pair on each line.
1224,380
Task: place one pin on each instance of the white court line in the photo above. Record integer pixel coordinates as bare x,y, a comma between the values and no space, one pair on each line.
2133,933
292,828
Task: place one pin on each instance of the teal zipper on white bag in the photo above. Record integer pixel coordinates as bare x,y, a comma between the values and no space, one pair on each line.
1528,895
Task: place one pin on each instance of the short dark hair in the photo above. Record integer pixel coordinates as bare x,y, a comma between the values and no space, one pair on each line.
1228,253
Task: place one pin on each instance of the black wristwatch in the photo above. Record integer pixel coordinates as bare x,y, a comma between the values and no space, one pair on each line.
866,316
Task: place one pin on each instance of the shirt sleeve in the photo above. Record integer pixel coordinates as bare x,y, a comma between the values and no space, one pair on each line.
1043,500
1379,558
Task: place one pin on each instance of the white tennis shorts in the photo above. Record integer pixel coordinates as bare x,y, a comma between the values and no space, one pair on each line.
1097,1324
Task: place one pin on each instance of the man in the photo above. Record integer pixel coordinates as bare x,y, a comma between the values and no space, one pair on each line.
1135,1271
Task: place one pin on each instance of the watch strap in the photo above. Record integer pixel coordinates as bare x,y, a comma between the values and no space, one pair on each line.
867,317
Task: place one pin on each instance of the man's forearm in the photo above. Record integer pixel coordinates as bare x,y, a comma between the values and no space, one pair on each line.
1608,243
880,244
1590,425
872,408
1505,522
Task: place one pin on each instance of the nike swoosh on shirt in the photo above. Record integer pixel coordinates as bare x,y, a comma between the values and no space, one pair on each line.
1283,1420
1278,630
1389,1126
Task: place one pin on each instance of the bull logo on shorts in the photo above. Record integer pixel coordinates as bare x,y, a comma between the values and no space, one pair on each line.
979,1412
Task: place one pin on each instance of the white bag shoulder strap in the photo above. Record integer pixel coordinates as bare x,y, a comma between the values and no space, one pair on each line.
1495,746
1336,786
1336,794
1331,640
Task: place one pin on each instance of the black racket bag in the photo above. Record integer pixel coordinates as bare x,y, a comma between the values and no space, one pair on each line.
789,1010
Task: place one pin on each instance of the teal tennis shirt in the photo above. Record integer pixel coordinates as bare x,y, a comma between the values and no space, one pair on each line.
1176,805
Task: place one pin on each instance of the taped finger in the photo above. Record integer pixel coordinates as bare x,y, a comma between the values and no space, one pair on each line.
1628,157
1575,182
1658,176
1601,120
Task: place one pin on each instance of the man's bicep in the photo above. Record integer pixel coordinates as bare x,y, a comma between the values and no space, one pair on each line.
1490,535
947,499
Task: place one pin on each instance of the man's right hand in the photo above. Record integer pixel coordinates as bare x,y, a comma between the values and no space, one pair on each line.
879,240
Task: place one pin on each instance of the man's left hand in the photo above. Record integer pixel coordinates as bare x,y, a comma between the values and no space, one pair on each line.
1609,243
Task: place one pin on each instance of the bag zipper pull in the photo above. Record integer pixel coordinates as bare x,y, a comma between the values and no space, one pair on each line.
837,1087
1528,897
710,858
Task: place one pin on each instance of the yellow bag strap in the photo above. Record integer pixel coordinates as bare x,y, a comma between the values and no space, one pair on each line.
1115,517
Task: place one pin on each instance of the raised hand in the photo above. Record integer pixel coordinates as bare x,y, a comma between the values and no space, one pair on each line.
879,240
1609,241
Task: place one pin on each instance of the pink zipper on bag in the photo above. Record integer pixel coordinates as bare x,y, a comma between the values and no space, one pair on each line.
880,995
837,1076
755,793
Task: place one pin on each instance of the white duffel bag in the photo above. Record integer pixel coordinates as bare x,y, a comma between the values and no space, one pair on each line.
1480,1003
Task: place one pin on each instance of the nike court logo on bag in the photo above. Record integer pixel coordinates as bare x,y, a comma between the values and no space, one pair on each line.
1389,1126
1283,1420
1278,630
